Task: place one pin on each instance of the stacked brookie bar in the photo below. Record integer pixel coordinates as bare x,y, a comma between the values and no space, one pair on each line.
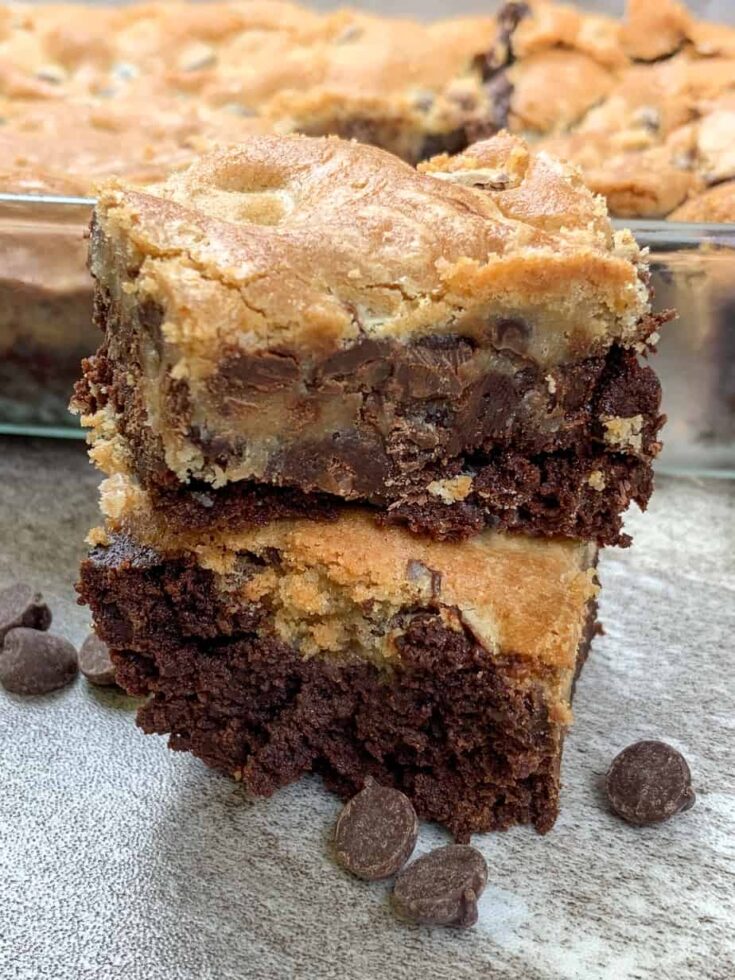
330,386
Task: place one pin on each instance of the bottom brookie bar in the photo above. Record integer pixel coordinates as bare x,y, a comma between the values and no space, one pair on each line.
339,647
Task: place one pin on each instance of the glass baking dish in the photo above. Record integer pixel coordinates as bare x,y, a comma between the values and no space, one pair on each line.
46,326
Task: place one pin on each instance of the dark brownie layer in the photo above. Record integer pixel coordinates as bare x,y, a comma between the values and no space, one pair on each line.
533,441
466,735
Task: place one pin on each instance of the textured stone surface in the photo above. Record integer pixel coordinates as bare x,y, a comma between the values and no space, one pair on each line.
119,859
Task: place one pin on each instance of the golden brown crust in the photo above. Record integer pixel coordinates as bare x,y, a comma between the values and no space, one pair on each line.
552,90
631,86
77,143
717,204
310,243
654,30
660,127
639,182
208,71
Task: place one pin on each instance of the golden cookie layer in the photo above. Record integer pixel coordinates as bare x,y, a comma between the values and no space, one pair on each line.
310,244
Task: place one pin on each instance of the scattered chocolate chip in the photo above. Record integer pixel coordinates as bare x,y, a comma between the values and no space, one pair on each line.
95,662
21,606
54,74
125,71
32,662
466,101
649,782
453,141
376,832
441,888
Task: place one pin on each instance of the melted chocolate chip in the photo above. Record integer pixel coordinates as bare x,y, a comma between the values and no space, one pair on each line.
512,334
268,371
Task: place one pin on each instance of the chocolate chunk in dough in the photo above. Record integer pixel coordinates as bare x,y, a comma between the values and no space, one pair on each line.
376,832
442,887
649,782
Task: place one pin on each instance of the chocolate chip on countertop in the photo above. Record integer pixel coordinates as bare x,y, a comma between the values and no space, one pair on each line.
649,782
441,888
95,662
21,606
376,832
32,662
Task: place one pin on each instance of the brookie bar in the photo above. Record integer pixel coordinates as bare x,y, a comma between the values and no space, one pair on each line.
343,648
459,347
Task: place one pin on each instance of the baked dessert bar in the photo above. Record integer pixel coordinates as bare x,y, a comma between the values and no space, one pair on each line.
636,103
339,647
459,347
650,122
413,88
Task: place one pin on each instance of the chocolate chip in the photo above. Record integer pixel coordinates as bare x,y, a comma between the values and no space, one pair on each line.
512,334
427,578
423,101
442,887
21,606
499,92
376,832
350,33
32,662
649,782
95,662
649,118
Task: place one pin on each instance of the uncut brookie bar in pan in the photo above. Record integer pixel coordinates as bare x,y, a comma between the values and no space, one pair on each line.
460,347
645,106
336,646
413,88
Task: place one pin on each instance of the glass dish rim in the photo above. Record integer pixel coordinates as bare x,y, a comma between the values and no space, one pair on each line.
656,233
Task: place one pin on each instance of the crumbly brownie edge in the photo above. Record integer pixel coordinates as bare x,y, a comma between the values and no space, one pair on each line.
466,737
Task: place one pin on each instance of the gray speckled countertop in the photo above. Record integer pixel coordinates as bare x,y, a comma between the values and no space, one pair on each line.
119,859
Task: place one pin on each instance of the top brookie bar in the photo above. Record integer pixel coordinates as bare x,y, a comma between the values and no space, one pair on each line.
459,347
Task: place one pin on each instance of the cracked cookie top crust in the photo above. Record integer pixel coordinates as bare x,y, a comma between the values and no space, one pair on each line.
311,244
